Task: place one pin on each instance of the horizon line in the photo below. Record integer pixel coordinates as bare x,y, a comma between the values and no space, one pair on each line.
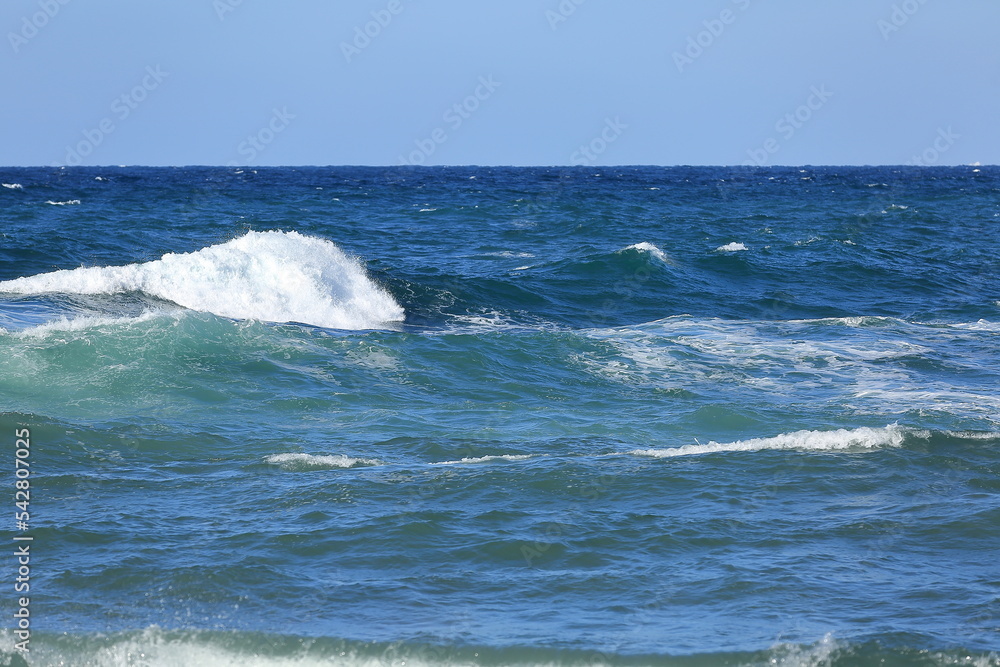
494,166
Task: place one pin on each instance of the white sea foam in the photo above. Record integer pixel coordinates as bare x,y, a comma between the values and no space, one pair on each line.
981,325
974,435
484,459
270,276
731,247
485,321
699,354
841,439
70,202
296,460
13,186
854,321
817,655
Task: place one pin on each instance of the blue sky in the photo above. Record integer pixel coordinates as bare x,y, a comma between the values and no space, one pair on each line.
499,82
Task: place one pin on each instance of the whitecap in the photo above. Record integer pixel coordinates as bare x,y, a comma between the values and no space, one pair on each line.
298,461
69,202
13,186
270,276
651,249
731,247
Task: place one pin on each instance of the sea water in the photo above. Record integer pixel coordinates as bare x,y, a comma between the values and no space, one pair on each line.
533,416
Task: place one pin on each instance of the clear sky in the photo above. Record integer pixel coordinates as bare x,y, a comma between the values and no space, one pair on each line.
499,82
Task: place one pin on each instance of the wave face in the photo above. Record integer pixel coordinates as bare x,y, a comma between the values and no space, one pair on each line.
269,276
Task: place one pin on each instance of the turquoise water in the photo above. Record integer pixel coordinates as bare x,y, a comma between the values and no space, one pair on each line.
684,416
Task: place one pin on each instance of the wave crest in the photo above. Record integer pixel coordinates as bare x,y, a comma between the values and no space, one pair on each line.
270,276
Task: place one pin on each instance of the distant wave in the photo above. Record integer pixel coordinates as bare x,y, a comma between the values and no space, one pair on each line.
299,461
840,439
69,202
484,459
271,276
13,186
731,247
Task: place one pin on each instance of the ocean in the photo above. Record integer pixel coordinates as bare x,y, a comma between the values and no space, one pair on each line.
501,416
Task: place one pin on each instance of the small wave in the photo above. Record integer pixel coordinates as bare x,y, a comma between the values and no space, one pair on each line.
841,439
268,276
651,249
731,247
13,186
70,202
299,461
484,459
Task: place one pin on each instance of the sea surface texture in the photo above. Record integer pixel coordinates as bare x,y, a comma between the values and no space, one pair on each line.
504,416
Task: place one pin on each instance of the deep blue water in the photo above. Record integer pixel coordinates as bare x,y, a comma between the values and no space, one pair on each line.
679,416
